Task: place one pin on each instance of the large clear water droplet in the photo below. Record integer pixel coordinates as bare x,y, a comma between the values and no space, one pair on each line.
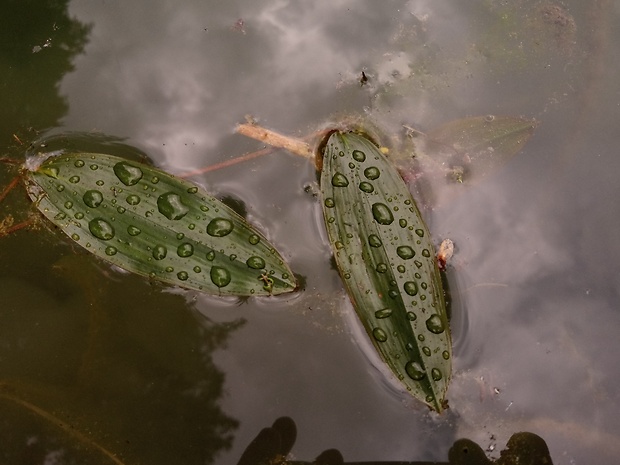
253,239
329,202
127,174
256,263
171,206
133,231
74,179
219,227
159,252
372,173
358,155
435,324
383,313
382,214
92,198
379,335
411,288
436,374
405,252
101,229
182,275
374,240
110,250
133,199
414,370
366,187
185,250
340,180
220,276
210,255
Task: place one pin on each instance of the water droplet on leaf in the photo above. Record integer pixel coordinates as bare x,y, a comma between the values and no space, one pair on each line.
133,199
101,229
358,155
340,180
185,250
127,174
411,288
366,187
379,335
383,313
372,173
414,370
405,252
374,240
435,324
220,276
92,198
171,206
219,227
159,252
256,263
382,214
381,268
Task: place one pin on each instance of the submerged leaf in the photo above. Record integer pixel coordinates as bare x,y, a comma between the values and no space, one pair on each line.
151,223
385,256
473,147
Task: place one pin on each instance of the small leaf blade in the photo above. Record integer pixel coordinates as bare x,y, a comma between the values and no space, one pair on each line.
149,222
385,256
479,144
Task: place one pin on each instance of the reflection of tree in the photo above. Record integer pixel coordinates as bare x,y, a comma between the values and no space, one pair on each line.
38,41
107,370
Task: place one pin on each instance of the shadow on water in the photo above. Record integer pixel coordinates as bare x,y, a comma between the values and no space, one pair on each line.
79,380
273,444
87,375
38,42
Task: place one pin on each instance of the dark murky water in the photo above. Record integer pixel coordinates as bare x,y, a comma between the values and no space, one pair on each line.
99,366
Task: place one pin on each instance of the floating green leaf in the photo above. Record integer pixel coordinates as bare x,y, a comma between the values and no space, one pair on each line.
385,256
149,222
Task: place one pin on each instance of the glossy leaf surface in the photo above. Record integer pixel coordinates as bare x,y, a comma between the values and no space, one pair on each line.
149,222
386,259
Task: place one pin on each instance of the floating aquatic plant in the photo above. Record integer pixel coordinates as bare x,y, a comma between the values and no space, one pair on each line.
386,258
154,224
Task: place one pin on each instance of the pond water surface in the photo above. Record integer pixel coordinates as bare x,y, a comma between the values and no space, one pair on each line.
99,366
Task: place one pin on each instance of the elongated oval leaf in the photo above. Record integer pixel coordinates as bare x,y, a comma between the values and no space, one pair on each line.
149,222
478,145
385,256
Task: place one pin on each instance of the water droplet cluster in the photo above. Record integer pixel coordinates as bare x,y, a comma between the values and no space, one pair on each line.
383,247
149,222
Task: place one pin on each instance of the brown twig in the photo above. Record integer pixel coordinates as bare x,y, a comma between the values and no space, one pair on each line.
8,188
16,227
299,147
